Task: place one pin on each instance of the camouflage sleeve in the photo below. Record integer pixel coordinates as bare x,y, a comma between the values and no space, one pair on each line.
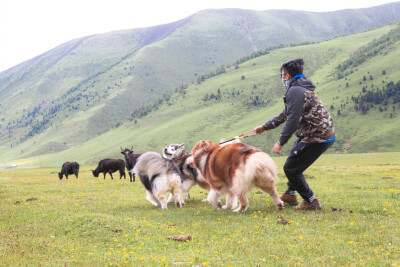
275,122
294,111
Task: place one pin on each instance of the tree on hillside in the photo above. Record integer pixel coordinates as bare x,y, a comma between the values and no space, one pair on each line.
385,96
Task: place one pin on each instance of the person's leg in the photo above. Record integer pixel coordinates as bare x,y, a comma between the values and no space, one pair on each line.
290,194
300,158
290,190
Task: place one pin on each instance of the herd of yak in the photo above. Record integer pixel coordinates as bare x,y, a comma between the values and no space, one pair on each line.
105,166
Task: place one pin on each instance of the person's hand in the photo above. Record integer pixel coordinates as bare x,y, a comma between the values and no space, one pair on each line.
259,129
277,148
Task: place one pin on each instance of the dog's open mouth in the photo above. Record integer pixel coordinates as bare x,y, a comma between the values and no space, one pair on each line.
166,153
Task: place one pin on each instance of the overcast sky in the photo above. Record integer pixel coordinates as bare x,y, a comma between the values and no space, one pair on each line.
31,27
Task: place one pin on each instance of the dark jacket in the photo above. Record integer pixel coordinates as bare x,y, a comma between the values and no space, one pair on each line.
304,114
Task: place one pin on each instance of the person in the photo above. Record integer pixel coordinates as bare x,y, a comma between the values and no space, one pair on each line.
305,116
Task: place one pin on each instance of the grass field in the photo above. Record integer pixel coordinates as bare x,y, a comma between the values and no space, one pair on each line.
96,222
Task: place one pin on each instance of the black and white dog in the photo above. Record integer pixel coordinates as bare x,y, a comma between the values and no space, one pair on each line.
189,174
159,176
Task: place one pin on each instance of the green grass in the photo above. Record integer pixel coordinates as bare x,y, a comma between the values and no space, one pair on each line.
91,221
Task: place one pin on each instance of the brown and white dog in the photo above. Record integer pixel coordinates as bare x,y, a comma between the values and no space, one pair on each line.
233,169
189,174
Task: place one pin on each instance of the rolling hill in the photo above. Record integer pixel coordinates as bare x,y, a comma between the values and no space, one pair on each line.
90,85
248,94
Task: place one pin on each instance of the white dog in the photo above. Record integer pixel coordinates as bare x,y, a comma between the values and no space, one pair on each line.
159,176
189,174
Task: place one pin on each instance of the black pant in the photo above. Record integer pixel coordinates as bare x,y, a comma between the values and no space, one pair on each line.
300,158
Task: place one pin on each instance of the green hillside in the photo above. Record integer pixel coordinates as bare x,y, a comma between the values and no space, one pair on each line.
83,88
248,95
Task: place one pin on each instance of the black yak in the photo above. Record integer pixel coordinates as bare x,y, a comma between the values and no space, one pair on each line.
69,168
110,166
130,160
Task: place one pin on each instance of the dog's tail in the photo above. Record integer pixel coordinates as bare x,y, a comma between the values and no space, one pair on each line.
261,165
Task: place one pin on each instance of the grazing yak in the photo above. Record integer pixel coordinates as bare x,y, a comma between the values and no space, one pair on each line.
130,160
110,166
69,168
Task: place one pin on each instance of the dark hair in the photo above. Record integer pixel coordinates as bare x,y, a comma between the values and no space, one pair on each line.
293,66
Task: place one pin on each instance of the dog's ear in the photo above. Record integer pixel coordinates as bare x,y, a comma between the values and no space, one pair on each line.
205,143
181,146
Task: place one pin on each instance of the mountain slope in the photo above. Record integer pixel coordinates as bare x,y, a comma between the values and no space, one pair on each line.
244,97
92,84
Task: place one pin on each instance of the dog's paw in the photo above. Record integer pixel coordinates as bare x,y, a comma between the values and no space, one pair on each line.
187,196
171,198
240,209
225,207
204,200
280,206
152,202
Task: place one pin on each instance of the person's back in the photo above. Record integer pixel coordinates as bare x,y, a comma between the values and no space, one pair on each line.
315,123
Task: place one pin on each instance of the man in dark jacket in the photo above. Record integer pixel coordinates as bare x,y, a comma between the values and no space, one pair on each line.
305,116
